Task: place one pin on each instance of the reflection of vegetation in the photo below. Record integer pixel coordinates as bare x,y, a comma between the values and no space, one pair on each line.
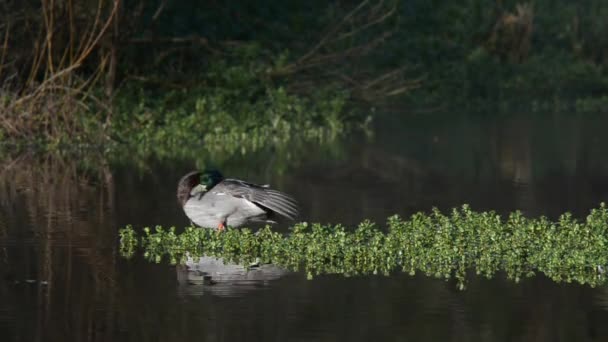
439,245
56,245
56,195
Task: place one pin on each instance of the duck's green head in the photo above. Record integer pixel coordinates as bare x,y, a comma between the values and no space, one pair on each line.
196,182
208,179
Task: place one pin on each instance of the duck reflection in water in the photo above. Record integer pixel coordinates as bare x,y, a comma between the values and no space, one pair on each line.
211,275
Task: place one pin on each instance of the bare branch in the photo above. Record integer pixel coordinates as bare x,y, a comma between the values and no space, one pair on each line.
374,22
159,10
331,32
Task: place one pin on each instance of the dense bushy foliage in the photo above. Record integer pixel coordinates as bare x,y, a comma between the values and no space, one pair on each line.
165,73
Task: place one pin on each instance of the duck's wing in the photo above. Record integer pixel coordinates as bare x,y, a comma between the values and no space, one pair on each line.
274,200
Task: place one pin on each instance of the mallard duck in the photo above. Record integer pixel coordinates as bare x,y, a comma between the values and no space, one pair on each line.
212,201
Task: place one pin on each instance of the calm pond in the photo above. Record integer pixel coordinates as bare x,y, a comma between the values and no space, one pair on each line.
63,279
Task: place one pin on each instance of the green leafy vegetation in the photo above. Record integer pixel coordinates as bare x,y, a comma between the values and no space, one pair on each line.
435,244
542,54
156,76
162,77
237,110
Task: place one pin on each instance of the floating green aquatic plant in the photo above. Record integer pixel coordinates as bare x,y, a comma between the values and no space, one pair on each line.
439,245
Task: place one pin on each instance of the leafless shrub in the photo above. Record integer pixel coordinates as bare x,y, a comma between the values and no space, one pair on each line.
40,88
348,40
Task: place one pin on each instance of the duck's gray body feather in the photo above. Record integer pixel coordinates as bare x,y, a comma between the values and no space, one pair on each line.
235,203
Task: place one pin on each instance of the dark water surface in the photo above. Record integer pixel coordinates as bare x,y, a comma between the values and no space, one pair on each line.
64,280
